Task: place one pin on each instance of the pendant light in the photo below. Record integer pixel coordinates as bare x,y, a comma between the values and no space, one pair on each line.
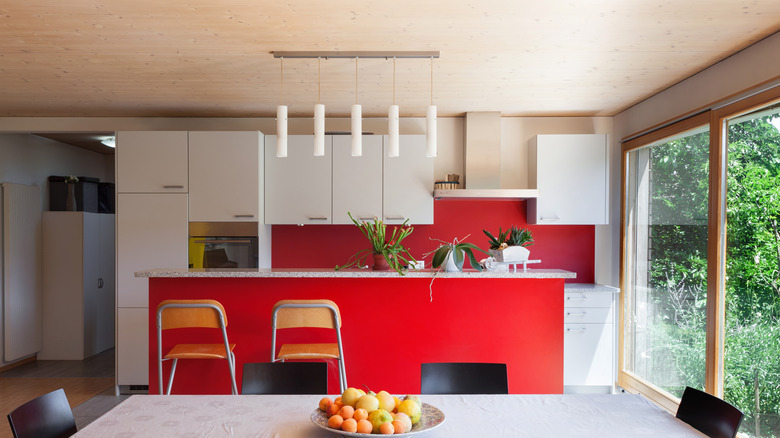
319,119
430,119
281,119
392,124
357,120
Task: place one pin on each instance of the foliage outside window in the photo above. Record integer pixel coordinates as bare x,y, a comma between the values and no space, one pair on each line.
666,211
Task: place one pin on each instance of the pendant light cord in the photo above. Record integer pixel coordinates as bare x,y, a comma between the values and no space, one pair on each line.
319,82
281,80
431,80
393,80
356,80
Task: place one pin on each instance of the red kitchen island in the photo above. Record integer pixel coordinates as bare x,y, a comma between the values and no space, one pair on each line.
390,323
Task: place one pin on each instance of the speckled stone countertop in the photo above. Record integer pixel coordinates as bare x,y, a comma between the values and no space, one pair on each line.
348,273
589,287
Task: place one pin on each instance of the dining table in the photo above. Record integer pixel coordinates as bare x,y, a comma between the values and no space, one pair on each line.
292,416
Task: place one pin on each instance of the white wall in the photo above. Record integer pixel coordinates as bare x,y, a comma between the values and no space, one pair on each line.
758,64
29,159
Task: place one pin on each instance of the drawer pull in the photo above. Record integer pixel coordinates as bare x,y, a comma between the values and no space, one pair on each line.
576,330
395,218
173,187
318,218
576,313
551,218
243,215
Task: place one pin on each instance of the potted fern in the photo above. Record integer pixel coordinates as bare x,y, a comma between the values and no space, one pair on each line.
510,245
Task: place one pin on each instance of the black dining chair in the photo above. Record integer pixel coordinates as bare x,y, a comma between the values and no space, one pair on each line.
709,414
285,378
463,378
48,416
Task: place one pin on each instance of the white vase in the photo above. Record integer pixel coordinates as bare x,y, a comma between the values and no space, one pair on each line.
449,264
510,254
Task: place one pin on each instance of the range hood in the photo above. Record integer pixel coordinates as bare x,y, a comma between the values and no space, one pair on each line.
482,162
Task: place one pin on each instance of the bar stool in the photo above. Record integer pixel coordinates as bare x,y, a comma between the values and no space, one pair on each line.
309,314
172,314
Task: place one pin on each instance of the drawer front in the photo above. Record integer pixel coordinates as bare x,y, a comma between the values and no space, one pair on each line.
582,299
588,315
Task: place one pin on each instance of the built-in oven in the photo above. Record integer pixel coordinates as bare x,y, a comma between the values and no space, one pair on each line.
223,245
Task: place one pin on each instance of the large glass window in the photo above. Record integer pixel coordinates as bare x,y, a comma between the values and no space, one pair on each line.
752,337
666,205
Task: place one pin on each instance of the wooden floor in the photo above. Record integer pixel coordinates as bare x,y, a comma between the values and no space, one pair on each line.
88,384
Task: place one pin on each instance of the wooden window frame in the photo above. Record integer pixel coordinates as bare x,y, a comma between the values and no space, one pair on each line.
716,117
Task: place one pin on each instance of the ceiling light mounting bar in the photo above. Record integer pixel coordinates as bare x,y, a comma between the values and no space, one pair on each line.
358,54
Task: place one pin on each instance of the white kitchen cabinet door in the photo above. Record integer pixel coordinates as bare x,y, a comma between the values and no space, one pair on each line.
571,174
587,355
224,176
357,181
298,187
151,233
408,183
78,312
132,349
151,162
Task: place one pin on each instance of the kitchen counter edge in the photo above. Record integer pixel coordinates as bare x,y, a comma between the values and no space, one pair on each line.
347,273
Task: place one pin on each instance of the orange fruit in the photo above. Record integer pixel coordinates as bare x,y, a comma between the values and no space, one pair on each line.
387,428
324,403
364,426
399,426
360,414
349,425
347,412
332,410
335,421
337,400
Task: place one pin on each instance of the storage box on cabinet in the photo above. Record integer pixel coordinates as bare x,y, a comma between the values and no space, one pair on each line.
571,174
589,342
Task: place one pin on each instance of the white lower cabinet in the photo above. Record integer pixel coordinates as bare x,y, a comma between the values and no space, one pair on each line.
588,341
132,353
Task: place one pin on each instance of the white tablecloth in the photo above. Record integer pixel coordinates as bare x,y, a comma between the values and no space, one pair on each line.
277,416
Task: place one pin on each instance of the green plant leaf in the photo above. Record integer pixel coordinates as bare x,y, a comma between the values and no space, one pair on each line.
440,255
474,263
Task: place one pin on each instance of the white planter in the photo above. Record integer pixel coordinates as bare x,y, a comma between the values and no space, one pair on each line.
449,264
510,254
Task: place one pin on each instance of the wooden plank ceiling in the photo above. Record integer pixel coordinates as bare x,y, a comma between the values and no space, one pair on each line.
212,58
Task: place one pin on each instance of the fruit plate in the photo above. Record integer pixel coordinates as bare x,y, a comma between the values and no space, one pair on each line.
431,418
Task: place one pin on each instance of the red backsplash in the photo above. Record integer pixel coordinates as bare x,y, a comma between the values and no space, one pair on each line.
569,247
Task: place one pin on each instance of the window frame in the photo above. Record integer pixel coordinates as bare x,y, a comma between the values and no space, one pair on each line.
716,116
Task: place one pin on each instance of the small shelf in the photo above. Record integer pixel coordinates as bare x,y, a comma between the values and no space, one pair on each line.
495,194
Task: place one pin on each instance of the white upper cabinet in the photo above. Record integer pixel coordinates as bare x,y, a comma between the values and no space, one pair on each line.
151,162
298,187
408,183
357,181
223,176
571,174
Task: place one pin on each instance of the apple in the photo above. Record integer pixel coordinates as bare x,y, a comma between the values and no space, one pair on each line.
386,401
378,418
350,396
368,402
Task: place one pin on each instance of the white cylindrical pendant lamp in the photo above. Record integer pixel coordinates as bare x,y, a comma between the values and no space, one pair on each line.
281,131
357,131
394,147
430,118
319,130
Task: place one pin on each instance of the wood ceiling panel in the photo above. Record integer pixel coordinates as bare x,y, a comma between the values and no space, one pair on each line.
213,58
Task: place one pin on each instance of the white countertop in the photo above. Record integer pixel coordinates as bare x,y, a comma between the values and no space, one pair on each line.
348,273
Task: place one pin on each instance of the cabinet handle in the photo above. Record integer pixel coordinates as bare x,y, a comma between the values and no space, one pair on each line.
576,313
174,187
100,283
580,298
243,215
576,330
553,218
318,218
223,241
395,218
